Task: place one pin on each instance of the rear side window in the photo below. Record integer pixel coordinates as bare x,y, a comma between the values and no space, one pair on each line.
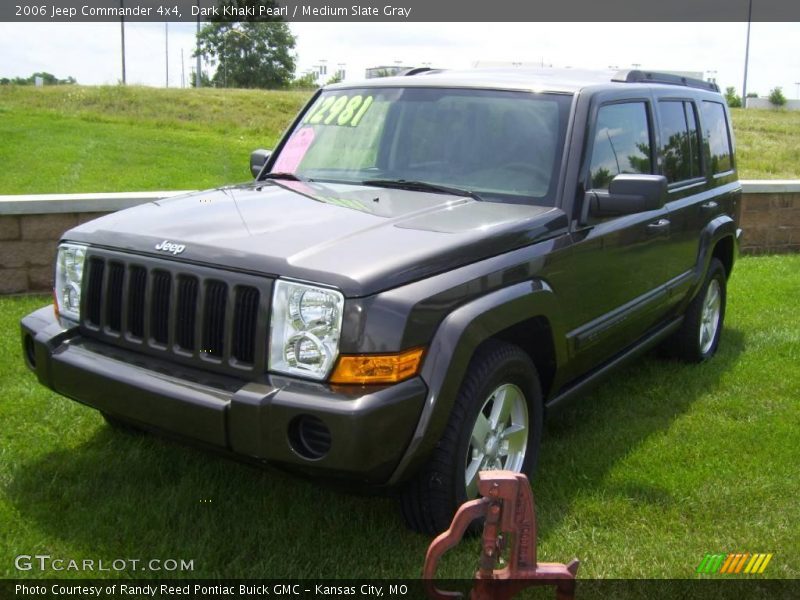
680,140
719,139
621,143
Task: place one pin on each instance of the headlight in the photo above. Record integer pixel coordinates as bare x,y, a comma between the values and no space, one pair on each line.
69,274
304,329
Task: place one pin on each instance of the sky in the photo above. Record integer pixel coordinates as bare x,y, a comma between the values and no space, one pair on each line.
90,52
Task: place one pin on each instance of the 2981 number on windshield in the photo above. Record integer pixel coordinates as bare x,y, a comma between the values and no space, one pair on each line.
344,111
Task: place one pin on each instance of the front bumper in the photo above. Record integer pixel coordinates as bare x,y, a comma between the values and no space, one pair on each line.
369,427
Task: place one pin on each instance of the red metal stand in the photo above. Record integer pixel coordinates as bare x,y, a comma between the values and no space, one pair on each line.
510,523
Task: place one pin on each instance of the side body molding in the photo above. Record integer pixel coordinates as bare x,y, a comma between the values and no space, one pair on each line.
453,345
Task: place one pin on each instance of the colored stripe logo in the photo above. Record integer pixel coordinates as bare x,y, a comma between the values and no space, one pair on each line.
734,563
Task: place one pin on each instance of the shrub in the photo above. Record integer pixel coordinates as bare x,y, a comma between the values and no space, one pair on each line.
731,98
776,96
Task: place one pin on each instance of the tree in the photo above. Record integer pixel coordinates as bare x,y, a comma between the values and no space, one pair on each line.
248,54
731,98
205,80
47,79
776,96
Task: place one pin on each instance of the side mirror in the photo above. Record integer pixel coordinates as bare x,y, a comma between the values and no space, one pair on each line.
258,158
628,194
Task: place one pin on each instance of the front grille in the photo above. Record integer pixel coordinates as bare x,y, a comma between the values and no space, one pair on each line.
244,314
194,315
114,305
136,298
214,338
159,307
187,309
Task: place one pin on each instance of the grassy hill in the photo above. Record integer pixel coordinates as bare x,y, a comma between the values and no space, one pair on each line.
95,139
768,143
100,139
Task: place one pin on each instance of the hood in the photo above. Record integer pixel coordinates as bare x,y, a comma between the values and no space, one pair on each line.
359,239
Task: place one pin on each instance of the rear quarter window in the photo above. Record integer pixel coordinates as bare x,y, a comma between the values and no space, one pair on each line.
719,139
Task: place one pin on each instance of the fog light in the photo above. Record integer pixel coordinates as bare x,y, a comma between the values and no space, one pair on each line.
309,437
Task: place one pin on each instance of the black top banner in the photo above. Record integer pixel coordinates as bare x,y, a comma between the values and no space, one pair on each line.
400,10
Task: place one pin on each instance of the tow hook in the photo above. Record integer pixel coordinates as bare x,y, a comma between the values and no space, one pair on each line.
510,524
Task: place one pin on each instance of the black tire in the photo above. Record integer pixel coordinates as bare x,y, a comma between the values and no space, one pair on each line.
122,425
429,501
687,344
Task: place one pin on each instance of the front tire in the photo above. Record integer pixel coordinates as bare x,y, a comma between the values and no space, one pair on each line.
496,423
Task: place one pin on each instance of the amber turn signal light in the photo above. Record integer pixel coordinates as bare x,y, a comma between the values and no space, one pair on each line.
377,368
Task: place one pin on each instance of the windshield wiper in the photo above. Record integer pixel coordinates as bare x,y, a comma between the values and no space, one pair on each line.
285,175
421,186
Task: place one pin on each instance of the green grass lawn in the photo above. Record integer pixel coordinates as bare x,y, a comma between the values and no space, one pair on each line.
109,139
640,479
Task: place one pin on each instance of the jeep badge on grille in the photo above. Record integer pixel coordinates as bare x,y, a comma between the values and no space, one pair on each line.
167,246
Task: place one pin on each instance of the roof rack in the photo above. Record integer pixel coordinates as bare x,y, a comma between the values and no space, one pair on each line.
636,76
418,71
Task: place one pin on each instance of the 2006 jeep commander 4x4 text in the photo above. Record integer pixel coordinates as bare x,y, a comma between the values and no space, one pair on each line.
423,267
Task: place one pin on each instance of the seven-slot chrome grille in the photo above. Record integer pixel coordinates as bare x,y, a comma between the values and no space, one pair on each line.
194,315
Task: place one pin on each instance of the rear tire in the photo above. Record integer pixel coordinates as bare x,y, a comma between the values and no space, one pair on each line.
496,422
698,338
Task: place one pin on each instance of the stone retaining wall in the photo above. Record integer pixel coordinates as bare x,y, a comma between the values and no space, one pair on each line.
770,219
28,246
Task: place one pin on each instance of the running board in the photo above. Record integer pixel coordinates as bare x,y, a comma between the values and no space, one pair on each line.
565,396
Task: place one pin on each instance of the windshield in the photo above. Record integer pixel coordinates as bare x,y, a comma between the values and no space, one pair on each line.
502,146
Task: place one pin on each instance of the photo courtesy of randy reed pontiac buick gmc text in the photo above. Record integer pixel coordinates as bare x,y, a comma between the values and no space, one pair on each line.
421,271
151,590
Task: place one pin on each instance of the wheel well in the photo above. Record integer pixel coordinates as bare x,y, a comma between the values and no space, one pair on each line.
723,251
535,337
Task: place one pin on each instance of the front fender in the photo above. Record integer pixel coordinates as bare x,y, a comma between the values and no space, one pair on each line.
452,348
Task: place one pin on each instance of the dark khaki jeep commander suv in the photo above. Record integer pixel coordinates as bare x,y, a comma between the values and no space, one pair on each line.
422,269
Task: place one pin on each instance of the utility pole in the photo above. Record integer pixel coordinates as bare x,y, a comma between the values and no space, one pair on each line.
183,71
166,50
122,36
797,83
198,74
747,54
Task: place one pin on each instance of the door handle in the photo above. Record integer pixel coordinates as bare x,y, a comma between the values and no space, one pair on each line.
658,227
709,206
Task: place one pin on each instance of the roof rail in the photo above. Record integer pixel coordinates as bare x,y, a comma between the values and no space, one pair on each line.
636,76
